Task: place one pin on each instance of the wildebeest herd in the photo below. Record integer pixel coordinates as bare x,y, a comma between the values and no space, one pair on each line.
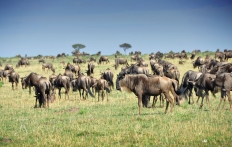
164,79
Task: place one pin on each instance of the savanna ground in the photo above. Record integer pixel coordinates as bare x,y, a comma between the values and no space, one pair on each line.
116,122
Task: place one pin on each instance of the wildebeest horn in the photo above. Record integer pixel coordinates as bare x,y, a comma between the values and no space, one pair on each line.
191,82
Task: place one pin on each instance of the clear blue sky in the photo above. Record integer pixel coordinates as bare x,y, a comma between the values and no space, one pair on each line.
49,27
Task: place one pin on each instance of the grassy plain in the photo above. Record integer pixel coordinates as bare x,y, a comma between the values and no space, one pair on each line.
76,122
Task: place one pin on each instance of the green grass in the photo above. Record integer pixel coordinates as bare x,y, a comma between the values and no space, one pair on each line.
76,122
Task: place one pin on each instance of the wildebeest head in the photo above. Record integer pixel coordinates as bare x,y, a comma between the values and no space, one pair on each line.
52,97
119,77
24,83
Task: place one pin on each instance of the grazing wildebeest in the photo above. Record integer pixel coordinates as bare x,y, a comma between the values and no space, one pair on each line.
120,61
141,85
44,92
74,68
103,59
91,67
108,76
193,55
134,58
78,61
42,86
14,78
225,68
224,81
69,74
24,62
62,81
198,62
220,55
157,69
228,54
102,85
142,63
52,79
48,66
169,55
6,73
92,59
92,82
188,87
134,69
8,67
30,81
172,72
41,61
82,82
204,82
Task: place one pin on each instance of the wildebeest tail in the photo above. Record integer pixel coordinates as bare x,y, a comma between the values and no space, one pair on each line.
111,79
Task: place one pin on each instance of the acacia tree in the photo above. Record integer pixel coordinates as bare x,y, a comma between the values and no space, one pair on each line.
125,46
78,47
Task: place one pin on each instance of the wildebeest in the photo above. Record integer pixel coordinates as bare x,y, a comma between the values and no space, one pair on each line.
14,78
69,74
171,71
108,76
134,69
92,59
82,82
30,81
204,83
219,55
74,68
42,87
198,62
24,62
78,61
102,85
91,67
41,61
103,59
62,81
188,87
156,68
142,63
193,55
169,55
224,81
228,54
44,92
49,66
141,85
8,67
120,61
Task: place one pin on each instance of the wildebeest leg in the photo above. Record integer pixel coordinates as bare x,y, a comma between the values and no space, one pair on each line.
140,96
79,93
12,85
36,99
169,100
229,99
59,92
223,95
207,97
98,94
202,100
154,101
16,83
44,99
